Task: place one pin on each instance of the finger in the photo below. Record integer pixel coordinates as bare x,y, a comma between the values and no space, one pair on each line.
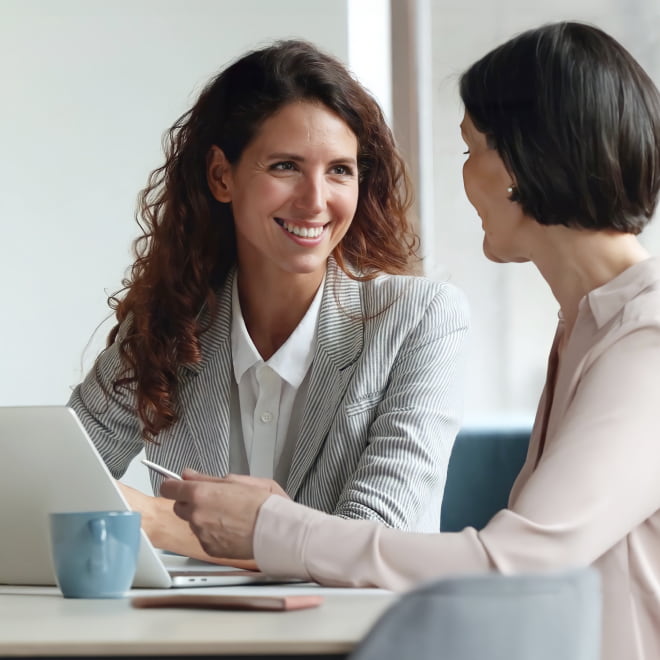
182,510
173,489
254,482
242,479
192,475
269,485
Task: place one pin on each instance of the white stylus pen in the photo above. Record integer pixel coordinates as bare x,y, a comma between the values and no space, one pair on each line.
159,468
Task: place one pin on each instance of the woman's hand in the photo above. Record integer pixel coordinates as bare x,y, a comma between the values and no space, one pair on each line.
221,513
169,532
258,482
154,510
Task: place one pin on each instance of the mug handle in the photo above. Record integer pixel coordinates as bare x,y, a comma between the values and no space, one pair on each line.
98,561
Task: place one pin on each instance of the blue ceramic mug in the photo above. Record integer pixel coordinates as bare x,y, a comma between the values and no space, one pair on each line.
95,552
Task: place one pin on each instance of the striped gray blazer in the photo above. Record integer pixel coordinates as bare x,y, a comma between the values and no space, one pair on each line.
382,412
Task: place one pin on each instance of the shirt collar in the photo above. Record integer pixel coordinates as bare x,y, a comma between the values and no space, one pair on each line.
293,359
607,300
244,352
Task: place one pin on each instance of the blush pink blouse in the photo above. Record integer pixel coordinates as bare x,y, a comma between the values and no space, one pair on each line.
589,492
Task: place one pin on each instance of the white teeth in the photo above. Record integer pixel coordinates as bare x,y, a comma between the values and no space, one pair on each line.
304,232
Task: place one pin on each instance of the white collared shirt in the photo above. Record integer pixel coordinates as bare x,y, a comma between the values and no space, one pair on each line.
271,395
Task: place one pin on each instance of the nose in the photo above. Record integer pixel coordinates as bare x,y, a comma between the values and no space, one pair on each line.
312,194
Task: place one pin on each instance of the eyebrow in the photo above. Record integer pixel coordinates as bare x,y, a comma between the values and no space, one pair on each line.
300,159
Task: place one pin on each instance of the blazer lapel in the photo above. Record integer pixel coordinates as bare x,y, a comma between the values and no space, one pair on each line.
339,344
206,388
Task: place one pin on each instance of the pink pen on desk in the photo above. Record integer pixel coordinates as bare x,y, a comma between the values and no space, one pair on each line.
160,469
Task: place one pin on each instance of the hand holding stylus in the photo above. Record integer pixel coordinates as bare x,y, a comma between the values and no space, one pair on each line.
160,469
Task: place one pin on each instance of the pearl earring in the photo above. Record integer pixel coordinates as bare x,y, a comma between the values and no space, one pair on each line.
510,189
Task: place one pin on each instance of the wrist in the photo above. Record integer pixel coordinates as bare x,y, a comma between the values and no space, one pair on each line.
157,519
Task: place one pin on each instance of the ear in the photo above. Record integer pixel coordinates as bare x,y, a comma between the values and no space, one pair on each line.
218,174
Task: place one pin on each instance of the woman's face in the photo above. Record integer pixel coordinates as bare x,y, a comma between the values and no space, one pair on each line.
486,181
293,192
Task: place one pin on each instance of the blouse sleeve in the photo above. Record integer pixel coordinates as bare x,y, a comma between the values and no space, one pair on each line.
594,484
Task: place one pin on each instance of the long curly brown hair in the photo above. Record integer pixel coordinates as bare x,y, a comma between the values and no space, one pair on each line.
188,243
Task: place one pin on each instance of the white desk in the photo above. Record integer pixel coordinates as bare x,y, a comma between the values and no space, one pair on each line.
38,622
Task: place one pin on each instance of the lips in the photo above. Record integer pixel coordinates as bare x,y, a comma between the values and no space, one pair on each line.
302,232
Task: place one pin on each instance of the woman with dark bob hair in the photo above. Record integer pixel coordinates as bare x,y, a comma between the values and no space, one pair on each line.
563,167
270,326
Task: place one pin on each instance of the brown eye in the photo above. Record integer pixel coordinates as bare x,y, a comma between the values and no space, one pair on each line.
342,170
283,166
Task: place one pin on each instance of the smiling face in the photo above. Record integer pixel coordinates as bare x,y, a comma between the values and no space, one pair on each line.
293,192
486,180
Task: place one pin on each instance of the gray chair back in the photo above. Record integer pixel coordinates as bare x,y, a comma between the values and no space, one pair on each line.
549,616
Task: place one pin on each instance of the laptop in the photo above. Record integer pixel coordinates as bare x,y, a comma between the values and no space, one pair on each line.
48,463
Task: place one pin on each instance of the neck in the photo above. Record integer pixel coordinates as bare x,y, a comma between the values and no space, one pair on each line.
576,261
273,308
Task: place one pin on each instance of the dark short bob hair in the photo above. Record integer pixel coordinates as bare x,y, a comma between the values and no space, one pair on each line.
576,121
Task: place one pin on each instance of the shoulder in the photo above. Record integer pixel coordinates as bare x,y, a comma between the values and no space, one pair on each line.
638,298
644,307
625,318
414,296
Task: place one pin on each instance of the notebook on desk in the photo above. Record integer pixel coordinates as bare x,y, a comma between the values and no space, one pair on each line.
48,463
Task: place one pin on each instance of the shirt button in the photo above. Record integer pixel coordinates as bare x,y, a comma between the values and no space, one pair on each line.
266,417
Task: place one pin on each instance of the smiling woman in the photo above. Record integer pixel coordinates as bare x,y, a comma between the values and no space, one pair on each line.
270,326
293,194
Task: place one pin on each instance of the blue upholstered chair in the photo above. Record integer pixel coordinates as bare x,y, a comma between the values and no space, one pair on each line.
550,616
483,465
